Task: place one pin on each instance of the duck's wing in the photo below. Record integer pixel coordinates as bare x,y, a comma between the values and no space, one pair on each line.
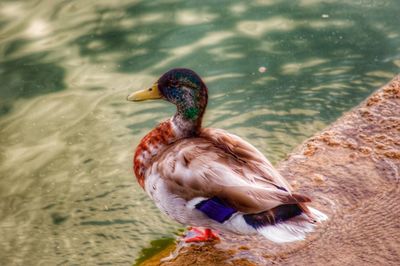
219,164
244,151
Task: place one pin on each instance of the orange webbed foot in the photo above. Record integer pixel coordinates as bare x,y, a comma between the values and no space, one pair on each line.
200,236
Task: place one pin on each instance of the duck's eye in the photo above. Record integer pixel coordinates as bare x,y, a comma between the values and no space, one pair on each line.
150,89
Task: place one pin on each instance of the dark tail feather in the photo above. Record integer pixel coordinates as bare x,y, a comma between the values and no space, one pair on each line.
285,223
273,216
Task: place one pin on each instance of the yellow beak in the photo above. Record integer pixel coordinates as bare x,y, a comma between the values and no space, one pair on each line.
147,94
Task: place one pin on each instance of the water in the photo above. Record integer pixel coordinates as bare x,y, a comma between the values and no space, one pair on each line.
67,135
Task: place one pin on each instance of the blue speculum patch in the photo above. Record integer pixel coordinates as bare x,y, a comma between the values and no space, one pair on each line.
215,209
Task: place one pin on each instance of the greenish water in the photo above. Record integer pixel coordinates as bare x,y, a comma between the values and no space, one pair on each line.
67,135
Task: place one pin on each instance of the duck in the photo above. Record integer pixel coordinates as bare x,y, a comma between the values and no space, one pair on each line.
211,179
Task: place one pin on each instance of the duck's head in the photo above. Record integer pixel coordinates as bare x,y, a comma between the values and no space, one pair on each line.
182,87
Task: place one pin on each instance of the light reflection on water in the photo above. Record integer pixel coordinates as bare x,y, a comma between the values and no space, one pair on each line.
67,194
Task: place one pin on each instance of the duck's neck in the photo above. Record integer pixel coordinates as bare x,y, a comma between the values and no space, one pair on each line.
186,127
158,139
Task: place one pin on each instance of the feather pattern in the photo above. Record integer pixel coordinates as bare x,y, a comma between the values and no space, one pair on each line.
220,164
211,178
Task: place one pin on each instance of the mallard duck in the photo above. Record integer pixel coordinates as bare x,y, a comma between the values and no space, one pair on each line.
210,178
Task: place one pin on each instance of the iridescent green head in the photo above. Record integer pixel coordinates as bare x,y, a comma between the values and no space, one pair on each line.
182,87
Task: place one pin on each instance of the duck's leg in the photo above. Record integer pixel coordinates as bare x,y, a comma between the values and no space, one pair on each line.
200,236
